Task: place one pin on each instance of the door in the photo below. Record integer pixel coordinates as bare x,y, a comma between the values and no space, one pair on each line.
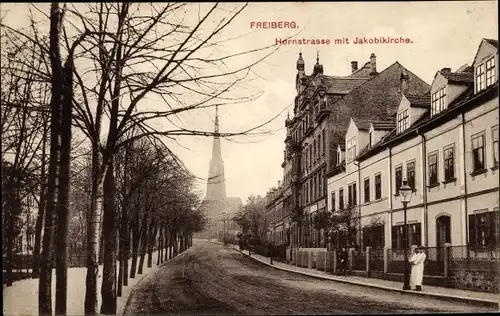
443,234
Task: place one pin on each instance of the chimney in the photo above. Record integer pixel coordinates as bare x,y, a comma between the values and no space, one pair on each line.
354,66
404,81
373,63
446,70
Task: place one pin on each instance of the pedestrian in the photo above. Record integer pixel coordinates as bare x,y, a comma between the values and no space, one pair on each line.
343,257
417,268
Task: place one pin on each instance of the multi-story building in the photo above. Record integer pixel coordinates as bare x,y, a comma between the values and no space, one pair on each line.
322,109
444,142
275,216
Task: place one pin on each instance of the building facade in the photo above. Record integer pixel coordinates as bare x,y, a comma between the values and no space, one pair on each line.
444,142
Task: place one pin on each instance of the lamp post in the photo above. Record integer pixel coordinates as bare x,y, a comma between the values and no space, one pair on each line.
405,192
224,228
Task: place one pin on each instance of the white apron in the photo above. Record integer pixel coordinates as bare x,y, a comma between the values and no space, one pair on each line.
417,269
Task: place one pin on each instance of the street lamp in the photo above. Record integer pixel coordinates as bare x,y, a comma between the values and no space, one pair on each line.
405,192
224,228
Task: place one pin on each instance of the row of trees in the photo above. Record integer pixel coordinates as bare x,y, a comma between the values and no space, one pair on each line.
82,138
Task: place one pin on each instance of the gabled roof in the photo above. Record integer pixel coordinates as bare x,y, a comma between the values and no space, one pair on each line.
419,101
492,42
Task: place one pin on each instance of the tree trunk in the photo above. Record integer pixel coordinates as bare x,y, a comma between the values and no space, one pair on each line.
151,244
144,241
64,192
135,247
93,236
126,254
41,206
167,243
159,258
108,289
46,263
9,220
170,245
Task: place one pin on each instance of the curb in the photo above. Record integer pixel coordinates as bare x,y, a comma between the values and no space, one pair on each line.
468,300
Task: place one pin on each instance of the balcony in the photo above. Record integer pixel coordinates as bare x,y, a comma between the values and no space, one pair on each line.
322,112
296,147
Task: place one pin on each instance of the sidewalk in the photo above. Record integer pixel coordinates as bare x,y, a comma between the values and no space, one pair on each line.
470,297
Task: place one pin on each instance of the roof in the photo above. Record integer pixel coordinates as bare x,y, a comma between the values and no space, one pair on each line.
383,125
419,101
492,42
459,77
461,100
341,85
362,124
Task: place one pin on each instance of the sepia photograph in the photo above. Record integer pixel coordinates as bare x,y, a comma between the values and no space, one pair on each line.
250,158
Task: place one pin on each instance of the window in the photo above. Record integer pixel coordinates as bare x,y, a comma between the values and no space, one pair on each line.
414,235
351,195
320,150
494,137
351,149
333,201
373,236
438,101
433,171
367,190
324,142
338,157
378,186
478,152
371,139
410,174
449,165
490,72
341,199
399,179
480,82
314,151
483,229
403,121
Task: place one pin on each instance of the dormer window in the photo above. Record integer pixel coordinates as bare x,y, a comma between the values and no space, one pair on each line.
371,138
490,72
480,82
338,157
351,149
403,121
438,101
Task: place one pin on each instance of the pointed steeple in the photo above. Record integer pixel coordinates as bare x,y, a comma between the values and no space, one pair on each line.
318,68
216,185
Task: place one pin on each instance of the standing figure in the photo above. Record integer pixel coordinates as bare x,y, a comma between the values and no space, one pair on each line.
343,257
417,268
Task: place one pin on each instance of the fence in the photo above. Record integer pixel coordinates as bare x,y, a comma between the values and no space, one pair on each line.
359,260
474,268
377,262
453,266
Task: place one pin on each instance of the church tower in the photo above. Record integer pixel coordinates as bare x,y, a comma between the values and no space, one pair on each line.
216,184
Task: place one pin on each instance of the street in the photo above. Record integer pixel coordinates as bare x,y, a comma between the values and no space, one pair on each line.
212,279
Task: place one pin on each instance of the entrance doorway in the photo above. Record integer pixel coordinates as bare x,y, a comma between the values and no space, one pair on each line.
443,235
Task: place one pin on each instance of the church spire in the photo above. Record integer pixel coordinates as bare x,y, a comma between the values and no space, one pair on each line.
216,186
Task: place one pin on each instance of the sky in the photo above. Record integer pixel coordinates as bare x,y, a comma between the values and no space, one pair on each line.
443,34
